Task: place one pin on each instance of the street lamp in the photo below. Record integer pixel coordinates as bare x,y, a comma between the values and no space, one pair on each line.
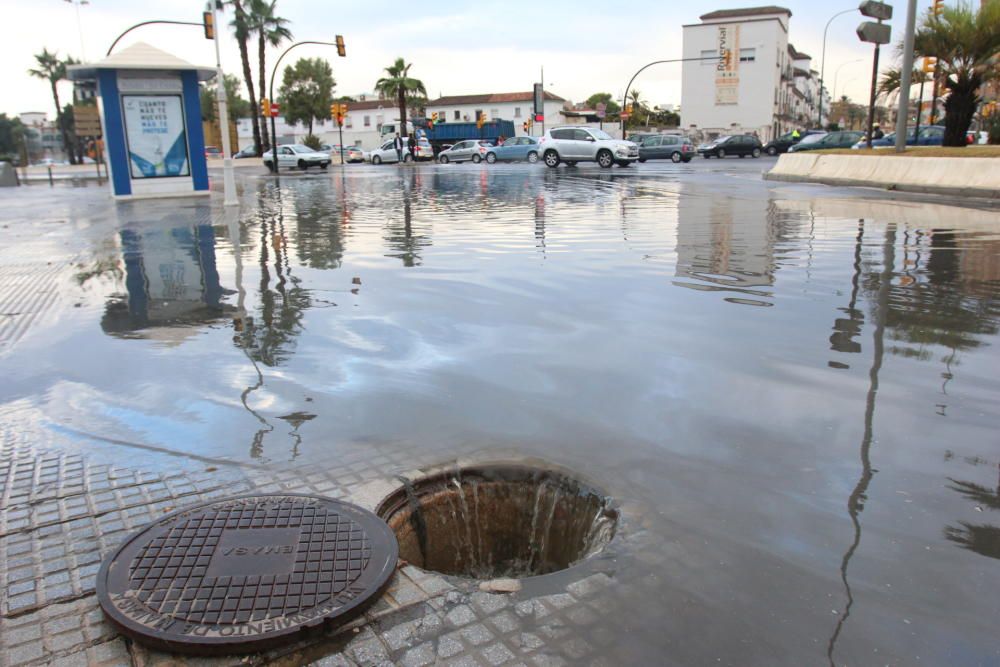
639,71
837,73
822,67
79,27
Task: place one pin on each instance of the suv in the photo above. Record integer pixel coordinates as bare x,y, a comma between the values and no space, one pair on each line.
737,144
585,144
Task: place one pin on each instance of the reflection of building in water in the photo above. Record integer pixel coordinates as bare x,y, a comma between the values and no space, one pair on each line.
171,280
726,244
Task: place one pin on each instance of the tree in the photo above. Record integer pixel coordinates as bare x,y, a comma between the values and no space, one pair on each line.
271,30
11,136
965,42
241,30
307,91
397,83
237,106
612,107
638,105
53,70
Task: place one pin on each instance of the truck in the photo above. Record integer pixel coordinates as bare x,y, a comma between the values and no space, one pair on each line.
450,133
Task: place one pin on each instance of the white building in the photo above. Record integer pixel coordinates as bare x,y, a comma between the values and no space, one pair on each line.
516,107
361,126
741,83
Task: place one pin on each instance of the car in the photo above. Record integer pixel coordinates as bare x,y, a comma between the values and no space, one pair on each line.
297,156
664,147
930,135
638,137
386,153
470,149
734,144
351,153
781,144
213,151
249,151
839,139
515,148
574,144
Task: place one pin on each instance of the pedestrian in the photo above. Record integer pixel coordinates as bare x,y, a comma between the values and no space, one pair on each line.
500,140
397,143
877,132
411,143
796,135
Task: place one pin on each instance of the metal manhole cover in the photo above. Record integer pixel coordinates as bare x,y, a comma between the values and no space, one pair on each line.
240,574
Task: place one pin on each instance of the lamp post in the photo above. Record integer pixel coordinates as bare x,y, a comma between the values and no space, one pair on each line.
228,178
837,73
822,67
274,71
79,27
639,71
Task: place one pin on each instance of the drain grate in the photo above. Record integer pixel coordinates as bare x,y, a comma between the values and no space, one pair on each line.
242,574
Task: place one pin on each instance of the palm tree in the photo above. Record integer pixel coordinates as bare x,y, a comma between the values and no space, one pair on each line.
965,42
889,83
271,30
241,29
53,70
638,103
398,83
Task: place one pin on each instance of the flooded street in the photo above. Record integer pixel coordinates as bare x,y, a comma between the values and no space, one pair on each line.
790,391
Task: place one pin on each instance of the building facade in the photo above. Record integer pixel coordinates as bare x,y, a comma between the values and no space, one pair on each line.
749,78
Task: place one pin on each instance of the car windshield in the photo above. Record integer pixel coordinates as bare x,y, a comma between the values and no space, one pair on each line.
812,138
600,134
720,139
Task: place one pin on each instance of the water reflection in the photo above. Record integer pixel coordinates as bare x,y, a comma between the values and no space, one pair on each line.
171,282
982,538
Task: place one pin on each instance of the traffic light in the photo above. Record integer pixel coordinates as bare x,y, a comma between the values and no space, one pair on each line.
265,108
481,121
434,119
527,127
338,111
930,64
208,20
628,109
341,51
937,7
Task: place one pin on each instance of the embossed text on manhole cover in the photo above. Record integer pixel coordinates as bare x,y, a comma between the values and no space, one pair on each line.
240,574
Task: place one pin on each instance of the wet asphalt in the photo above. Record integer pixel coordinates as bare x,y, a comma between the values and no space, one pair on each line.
796,385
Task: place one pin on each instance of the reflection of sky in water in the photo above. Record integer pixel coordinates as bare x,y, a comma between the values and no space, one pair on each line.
808,460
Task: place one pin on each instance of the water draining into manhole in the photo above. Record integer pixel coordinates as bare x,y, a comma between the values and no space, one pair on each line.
498,521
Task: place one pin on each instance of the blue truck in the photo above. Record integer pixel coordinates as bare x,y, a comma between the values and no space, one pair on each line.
450,133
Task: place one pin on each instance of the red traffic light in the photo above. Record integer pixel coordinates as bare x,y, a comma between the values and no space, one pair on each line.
539,117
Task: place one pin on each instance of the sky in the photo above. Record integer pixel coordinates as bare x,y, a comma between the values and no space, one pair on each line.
455,47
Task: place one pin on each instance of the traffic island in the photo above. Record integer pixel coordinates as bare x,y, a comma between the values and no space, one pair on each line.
930,171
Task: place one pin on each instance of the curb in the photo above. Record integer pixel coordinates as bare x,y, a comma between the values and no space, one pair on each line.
979,193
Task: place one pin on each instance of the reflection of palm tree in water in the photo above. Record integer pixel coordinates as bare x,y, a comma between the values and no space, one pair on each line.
856,501
984,539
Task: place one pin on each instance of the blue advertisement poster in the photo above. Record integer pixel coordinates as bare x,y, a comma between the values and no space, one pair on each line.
157,141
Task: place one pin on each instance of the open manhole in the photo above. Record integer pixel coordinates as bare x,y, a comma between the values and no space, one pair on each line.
498,521
241,574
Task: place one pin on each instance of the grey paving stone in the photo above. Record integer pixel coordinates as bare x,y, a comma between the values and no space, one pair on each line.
476,634
449,645
461,615
497,654
419,656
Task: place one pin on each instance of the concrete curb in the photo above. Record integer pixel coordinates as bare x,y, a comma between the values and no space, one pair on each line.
957,177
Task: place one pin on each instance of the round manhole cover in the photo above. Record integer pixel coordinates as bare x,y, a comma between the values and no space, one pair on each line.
240,574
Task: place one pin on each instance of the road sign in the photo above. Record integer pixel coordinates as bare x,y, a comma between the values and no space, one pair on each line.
86,121
601,109
624,115
875,10
875,33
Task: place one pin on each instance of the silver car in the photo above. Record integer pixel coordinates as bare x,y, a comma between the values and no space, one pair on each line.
470,149
586,144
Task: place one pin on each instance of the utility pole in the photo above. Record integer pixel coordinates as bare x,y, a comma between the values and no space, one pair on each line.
905,76
877,34
228,178
543,100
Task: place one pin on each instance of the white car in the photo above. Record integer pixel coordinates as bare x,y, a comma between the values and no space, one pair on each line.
297,156
387,153
470,149
585,144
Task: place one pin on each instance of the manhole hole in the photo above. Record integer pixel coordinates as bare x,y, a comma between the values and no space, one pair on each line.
241,574
498,521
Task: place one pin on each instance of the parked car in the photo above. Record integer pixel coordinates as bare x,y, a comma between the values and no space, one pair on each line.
213,151
781,144
839,139
666,147
931,135
470,149
736,144
386,153
247,151
586,144
297,156
515,148
351,153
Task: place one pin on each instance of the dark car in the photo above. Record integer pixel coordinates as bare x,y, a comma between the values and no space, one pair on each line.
842,139
666,147
736,144
781,144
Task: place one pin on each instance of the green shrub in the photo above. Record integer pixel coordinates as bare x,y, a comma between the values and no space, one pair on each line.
312,141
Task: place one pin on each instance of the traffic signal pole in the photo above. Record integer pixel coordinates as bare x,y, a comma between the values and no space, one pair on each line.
228,178
905,75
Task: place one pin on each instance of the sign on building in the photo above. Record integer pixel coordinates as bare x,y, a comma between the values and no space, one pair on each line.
86,121
154,130
727,79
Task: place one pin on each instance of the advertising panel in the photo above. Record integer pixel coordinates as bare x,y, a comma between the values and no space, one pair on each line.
727,79
156,136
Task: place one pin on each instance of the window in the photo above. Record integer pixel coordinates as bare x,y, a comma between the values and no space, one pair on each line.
562,134
517,112
479,112
458,115
368,121
651,142
442,116
748,55
494,113
710,58
581,135
348,123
